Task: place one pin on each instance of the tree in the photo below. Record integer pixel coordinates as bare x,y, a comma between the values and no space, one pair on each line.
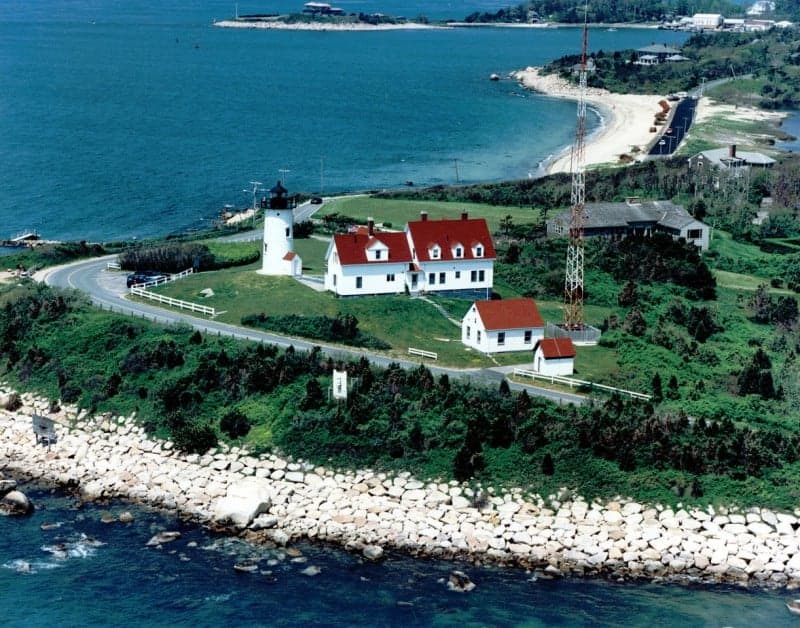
548,468
634,322
756,378
235,424
627,295
761,304
658,393
314,395
512,253
672,388
506,225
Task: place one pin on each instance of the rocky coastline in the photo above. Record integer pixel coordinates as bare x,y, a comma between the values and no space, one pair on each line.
270,499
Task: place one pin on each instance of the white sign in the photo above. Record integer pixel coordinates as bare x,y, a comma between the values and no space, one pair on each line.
340,384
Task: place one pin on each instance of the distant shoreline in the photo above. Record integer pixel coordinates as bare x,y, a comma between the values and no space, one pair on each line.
325,26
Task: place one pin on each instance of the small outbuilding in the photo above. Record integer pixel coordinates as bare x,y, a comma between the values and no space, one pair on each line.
502,325
554,356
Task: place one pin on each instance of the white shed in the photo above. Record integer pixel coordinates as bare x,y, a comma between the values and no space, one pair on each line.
554,356
502,325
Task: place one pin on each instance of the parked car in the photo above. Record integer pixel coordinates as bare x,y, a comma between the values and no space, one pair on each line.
316,200
144,276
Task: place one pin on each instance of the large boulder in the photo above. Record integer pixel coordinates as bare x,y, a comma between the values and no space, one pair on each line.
6,486
245,500
15,503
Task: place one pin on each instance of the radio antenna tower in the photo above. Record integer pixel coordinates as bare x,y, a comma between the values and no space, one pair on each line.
573,281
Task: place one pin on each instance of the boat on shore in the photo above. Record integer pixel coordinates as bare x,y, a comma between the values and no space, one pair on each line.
794,606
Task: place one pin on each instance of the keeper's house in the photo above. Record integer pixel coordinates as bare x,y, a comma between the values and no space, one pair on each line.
502,325
454,257
554,356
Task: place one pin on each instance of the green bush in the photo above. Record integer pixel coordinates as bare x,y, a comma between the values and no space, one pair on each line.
341,328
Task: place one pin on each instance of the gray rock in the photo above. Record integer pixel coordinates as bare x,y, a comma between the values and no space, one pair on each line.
311,570
126,516
163,537
15,503
245,500
373,552
6,486
459,581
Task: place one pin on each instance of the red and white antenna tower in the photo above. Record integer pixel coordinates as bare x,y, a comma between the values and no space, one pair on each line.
573,281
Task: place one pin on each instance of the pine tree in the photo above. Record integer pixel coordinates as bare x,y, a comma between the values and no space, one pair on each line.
658,393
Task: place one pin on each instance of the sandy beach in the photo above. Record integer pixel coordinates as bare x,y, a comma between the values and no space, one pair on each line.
627,118
324,26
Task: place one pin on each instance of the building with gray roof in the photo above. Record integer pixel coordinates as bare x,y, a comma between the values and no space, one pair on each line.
635,217
730,159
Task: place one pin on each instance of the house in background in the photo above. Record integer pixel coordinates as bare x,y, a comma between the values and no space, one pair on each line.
635,217
453,257
502,325
554,356
730,159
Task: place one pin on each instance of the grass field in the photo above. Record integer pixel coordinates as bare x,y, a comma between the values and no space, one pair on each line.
399,212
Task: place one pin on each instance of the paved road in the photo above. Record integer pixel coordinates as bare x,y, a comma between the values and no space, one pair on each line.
107,290
679,125
302,212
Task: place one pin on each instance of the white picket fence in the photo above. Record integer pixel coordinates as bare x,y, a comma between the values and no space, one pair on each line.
425,354
571,382
113,266
166,279
184,305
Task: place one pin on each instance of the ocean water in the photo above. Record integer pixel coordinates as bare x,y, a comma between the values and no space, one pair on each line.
136,118
88,573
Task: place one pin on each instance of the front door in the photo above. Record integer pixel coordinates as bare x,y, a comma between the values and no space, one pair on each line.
414,281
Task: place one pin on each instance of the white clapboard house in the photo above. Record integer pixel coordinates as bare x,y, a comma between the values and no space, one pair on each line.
502,325
445,256
554,356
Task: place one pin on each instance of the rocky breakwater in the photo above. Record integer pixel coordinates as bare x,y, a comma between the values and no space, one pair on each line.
273,499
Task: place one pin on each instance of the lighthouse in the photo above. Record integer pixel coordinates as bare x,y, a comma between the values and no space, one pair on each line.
277,255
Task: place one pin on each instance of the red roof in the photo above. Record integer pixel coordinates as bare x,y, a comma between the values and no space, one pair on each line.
352,247
448,233
509,314
290,255
554,348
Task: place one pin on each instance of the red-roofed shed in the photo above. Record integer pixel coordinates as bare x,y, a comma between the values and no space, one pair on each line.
554,356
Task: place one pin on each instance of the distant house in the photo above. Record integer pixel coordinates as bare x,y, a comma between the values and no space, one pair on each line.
761,7
502,325
707,21
635,217
655,53
554,356
730,159
446,256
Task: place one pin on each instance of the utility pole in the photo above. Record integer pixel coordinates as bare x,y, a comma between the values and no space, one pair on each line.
255,191
321,170
283,172
455,161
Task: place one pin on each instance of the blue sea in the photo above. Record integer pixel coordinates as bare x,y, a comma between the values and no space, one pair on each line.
136,118
88,573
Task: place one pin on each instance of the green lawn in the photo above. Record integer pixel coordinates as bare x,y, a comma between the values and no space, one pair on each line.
399,212
739,281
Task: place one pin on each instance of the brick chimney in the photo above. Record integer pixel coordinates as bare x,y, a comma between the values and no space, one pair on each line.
464,215
423,216
370,226
732,151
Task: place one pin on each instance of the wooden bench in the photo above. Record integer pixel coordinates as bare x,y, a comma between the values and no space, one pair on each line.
44,430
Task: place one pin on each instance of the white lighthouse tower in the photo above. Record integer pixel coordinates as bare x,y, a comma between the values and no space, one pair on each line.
277,255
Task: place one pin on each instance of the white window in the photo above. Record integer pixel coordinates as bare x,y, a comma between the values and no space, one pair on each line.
469,331
501,338
478,335
431,278
359,283
378,253
528,335
441,277
481,275
458,274
288,231
334,281
458,252
478,251
473,276
390,277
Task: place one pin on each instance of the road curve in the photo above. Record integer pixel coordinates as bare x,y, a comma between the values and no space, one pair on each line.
107,290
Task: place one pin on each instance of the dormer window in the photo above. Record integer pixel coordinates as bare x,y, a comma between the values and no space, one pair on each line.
435,251
477,250
378,253
458,251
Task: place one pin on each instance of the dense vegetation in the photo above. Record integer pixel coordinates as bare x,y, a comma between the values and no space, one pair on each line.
606,11
342,328
174,257
771,58
53,254
194,389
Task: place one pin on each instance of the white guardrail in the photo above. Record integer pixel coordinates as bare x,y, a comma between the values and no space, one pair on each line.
140,290
423,353
557,379
184,305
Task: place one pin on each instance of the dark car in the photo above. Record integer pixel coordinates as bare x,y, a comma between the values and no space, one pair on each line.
317,200
143,276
